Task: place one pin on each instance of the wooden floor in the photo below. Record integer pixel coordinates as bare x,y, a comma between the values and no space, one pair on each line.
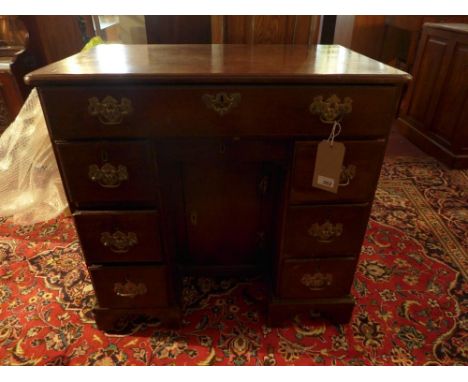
398,145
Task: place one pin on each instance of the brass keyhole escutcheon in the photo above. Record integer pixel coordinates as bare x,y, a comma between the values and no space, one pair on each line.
104,156
222,148
222,103
263,185
194,218
261,240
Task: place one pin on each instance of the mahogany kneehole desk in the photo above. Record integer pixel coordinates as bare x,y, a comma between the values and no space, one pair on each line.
198,159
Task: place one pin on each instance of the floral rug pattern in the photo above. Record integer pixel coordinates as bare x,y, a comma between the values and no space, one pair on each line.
410,288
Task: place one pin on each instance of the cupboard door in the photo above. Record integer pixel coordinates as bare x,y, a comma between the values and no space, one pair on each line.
225,208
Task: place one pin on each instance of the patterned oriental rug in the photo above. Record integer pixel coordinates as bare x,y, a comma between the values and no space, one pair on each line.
411,295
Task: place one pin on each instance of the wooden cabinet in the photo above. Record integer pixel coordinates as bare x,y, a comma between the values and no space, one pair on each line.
432,111
198,160
392,39
434,115
13,62
29,42
10,99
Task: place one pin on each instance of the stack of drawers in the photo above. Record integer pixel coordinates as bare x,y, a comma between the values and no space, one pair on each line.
112,188
323,232
178,164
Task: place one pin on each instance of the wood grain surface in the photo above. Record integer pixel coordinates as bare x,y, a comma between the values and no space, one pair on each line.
217,63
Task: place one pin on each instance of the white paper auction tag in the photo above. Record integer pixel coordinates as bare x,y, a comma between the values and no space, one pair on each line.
328,164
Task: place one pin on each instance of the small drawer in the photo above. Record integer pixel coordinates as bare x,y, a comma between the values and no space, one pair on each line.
108,174
316,231
117,237
130,286
218,111
359,175
318,278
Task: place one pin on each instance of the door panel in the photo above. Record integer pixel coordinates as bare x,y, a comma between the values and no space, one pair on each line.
223,213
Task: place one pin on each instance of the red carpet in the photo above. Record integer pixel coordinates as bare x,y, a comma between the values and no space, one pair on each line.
411,295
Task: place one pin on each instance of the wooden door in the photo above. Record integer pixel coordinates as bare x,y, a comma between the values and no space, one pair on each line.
223,208
232,29
178,29
230,193
265,29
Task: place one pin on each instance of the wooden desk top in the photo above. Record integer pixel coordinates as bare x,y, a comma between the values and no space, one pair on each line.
115,63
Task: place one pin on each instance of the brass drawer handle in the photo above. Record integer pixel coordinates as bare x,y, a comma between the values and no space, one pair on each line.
332,110
108,175
221,103
109,111
326,232
317,281
119,242
347,175
130,289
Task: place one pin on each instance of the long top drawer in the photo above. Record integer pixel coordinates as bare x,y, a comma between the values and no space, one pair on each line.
75,112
